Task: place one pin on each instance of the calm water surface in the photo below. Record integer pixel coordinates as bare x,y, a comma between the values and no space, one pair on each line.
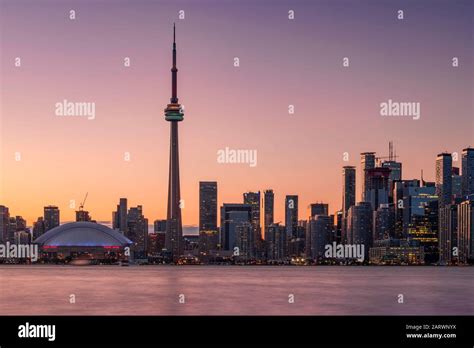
234,290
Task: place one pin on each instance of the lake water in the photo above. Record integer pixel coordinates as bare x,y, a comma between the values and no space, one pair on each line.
235,290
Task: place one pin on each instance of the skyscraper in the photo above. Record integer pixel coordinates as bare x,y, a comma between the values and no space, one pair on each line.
291,216
318,209
456,179
367,161
4,223
174,114
444,185
348,195
394,176
159,225
137,231
38,227
384,222
414,200
318,235
466,231
208,234
244,240
51,217
467,161
119,217
233,216
359,225
268,203
395,170
448,226
377,186
424,230
253,199
275,239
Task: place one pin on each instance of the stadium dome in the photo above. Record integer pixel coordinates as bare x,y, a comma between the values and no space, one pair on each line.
83,234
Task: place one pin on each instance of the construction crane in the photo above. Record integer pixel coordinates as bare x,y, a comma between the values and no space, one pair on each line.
81,207
392,156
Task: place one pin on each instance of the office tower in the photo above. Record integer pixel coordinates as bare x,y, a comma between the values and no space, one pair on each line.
359,225
20,223
39,227
268,202
394,176
384,222
466,231
456,179
159,226
208,233
399,189
444,184
15,224
115,222
318,235
122,214
137,231
11,229
377,186
467,161
51,217
296,245
395,170
245,240
338,227
4,223
21,237
253,199
119,217
448,225
348,187
207,205
348,195
174,114
415,198
275,240
318,209
367,161
156,243
232,216
291,216
423,229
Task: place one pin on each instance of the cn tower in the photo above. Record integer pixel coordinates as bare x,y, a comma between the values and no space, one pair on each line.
174,114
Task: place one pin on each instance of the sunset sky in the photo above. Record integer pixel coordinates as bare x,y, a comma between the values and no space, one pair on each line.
282,62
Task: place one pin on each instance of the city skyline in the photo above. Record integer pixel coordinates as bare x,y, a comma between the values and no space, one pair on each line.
300,154
304,212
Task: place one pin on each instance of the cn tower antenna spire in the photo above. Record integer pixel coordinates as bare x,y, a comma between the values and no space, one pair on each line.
174,71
